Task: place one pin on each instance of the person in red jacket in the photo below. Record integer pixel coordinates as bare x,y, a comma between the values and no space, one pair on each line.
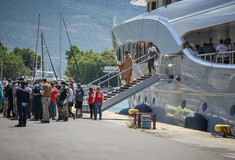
98,101
90,99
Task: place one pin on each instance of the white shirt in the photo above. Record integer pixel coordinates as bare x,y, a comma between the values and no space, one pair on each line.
221,48
70,95
151,51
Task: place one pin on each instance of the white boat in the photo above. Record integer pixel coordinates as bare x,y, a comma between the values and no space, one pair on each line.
205,85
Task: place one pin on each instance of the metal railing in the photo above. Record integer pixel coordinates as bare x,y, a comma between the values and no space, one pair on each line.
227,57
113,72
134,65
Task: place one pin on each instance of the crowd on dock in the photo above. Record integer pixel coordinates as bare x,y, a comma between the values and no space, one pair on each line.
42,100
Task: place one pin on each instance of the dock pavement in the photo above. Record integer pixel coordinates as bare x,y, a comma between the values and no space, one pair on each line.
108,139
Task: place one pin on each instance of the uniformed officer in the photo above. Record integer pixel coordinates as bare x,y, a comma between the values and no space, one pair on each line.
63,102
23,97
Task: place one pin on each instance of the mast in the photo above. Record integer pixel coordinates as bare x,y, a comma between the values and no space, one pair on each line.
42,57
60,43
35,62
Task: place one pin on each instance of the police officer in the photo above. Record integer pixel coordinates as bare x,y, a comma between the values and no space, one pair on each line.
23,97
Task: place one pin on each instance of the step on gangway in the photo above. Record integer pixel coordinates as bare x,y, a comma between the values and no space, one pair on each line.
141,83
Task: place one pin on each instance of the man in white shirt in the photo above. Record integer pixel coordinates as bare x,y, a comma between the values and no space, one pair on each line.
221,48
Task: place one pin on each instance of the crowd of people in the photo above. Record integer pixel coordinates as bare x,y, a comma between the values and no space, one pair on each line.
42,100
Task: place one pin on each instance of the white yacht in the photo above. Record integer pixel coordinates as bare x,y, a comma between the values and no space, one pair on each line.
204,83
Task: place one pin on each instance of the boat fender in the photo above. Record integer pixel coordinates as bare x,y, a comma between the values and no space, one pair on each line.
124,111
143,108
226,129
196,121
132,111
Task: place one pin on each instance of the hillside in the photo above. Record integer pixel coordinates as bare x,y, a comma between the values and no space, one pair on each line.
88,22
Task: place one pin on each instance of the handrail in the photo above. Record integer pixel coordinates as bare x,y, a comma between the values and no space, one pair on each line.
113,71
127,69
216,53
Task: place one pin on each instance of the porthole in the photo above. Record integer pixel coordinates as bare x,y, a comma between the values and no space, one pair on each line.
139,98
145,100
154,99
183,104
204,107
232,110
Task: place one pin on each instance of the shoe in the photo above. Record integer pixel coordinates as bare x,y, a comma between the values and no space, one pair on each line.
74,118
18,125
8,116
59,119
24,125
43,121
65,119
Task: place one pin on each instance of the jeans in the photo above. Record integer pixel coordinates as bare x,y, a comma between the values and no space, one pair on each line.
91,109
151,64
99,107
53,109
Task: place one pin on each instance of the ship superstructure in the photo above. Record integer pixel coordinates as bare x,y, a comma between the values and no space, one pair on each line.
205,81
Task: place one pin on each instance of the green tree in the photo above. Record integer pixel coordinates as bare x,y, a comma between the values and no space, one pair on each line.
14,67
28,57
90,64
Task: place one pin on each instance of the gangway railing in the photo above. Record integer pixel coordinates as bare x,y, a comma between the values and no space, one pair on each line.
219,57
134,65
113,71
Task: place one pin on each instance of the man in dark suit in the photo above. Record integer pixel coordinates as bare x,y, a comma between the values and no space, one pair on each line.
23,97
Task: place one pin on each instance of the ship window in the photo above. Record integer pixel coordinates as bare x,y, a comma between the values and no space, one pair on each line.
154,5
204,107
145,100
154,99
232,110
183,104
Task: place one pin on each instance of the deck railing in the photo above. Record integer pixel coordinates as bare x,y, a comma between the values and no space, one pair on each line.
227,57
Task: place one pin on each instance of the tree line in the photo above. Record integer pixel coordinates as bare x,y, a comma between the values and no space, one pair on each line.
91,65
20,62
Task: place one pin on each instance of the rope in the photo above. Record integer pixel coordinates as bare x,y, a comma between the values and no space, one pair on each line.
71,48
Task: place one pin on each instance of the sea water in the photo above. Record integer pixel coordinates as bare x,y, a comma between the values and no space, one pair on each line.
118,107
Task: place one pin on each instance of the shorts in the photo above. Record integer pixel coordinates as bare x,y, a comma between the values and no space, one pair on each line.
70,104
78,104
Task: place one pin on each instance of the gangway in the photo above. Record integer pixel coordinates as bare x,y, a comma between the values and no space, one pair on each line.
141,83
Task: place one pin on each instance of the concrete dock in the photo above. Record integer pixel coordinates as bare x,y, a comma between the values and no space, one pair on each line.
109,138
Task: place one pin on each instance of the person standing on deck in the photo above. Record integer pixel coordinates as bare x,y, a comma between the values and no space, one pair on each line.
46,93
23,97
79,99
126,65
98,101
91,99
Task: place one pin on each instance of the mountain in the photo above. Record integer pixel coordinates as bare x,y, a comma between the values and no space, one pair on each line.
88,21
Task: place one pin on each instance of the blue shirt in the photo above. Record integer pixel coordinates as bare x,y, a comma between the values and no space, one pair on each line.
22,95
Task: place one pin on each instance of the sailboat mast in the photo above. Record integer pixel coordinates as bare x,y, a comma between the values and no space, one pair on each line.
35,62
42,57
60,43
